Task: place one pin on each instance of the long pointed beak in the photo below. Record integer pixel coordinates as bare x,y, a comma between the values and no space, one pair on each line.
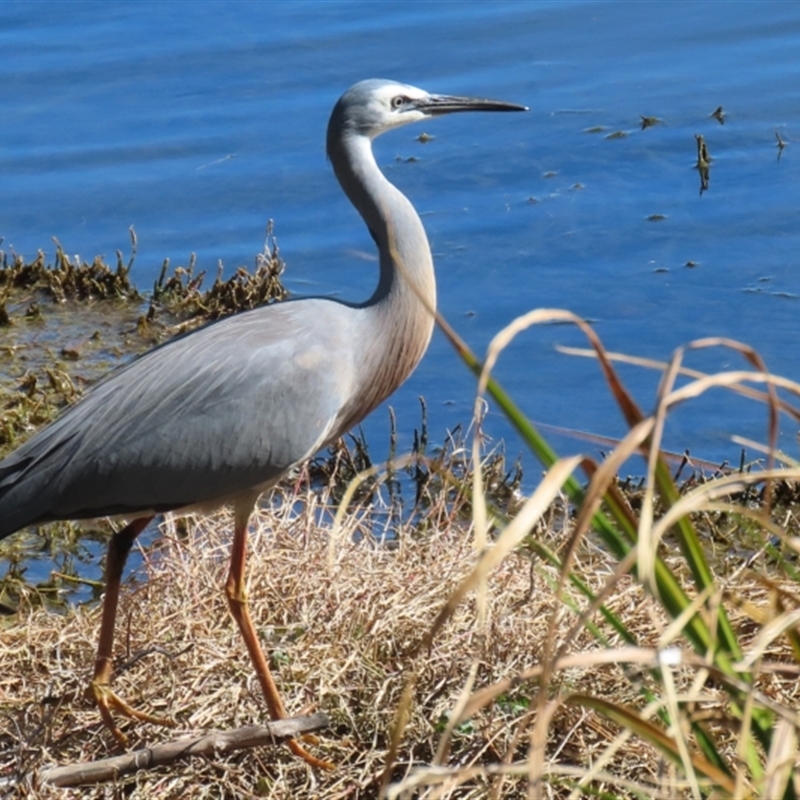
436,104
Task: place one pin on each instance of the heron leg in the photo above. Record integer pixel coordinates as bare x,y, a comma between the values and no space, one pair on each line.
100,687
237,603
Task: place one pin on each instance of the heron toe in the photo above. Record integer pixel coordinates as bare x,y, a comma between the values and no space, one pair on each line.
311,760
106,698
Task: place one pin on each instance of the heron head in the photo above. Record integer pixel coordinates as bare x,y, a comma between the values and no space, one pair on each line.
372,107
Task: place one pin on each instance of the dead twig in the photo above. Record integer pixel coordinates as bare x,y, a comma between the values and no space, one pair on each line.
213,743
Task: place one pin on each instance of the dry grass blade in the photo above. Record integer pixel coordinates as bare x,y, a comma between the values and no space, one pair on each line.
632,721
758,447
723,486
781,761
788,621
624,655
600,485
516,530
662,366
668,397
548,315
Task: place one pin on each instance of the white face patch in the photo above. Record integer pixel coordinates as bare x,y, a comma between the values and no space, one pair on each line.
393,114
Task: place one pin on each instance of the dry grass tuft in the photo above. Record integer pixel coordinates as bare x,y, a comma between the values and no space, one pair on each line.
66,279
341,618
338,629
181,295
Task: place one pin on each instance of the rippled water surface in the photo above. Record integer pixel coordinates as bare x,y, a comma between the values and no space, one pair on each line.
196,123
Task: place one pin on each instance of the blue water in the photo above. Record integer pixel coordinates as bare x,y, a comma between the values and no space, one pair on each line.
198,122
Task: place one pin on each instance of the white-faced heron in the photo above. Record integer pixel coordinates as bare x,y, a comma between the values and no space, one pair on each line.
219,415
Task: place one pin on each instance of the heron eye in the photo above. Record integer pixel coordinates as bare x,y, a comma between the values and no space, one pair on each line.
398,101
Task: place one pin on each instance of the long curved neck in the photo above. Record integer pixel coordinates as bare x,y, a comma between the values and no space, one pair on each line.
397,319
395,226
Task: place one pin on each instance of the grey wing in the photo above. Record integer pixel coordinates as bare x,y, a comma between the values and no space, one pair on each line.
224,409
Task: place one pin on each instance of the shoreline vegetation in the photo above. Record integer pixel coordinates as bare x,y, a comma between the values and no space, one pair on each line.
596,637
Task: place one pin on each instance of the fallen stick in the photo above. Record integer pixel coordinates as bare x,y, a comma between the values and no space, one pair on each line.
212,743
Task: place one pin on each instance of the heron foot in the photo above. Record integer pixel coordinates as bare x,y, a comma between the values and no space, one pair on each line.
106,698
312,761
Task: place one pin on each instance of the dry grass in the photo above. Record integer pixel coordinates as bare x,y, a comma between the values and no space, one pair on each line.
343,616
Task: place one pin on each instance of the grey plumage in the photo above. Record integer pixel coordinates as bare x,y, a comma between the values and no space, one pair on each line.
219,415
191,422
233,406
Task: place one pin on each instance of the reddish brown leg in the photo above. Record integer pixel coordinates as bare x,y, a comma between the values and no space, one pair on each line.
237,602
100,687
